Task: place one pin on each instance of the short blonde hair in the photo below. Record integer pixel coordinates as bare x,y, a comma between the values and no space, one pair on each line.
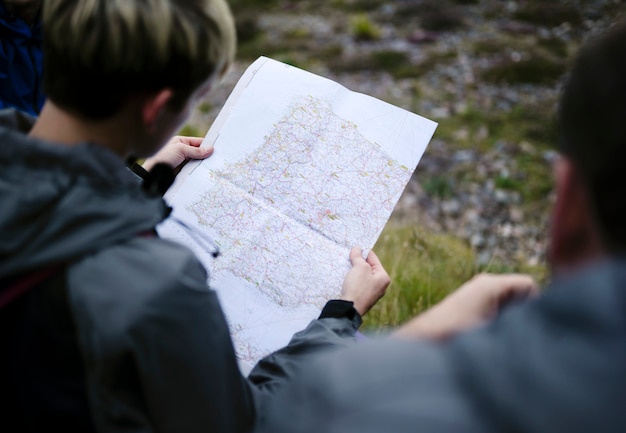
99,52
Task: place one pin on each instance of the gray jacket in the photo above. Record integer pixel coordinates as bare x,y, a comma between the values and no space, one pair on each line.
555,364
128,337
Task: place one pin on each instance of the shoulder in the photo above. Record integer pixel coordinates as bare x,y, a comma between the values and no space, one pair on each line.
143,261
120,285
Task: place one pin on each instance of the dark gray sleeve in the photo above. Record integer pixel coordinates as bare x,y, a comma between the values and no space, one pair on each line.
319,336
375,386
137,170
157,348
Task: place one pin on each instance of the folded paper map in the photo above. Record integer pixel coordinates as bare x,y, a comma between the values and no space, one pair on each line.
303,170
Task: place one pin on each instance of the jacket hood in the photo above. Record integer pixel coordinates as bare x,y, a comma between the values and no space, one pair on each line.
58,203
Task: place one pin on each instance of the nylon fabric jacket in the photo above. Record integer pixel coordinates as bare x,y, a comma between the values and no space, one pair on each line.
21,63
555,364
128,337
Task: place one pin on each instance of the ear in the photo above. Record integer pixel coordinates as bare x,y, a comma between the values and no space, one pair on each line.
153,108
573,234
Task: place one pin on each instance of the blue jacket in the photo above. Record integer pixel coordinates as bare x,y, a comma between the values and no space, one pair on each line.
21,65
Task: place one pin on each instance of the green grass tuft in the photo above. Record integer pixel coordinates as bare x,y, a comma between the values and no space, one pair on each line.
205,107
190,131
549,14
424,267
363,28
535,69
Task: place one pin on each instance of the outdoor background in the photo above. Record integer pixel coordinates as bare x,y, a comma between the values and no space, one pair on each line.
489,72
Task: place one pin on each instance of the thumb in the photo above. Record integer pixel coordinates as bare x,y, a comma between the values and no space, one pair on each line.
192,141
356,256
197,152
374,261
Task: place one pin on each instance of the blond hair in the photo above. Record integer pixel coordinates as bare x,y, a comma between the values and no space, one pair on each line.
99,52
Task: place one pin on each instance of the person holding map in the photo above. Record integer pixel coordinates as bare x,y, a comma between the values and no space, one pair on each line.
106,326
556,363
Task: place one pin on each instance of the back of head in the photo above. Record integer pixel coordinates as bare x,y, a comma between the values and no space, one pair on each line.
97,53
592,122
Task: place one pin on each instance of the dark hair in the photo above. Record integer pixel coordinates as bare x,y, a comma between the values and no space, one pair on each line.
592,129
97,53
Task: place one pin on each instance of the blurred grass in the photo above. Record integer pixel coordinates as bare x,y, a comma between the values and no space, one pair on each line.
363,28
190,130
424,267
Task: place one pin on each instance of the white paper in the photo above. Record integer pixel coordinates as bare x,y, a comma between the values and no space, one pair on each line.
303,170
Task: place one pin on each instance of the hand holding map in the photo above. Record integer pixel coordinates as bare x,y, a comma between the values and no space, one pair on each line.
352,289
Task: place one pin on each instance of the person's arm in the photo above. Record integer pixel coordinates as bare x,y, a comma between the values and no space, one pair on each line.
471,305
363,286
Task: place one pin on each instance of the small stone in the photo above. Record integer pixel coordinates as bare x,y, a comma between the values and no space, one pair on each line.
460,108
550,156
528,148
471,216
463,156
516,215
388,9
461,134
483,258
517,27
477,240
505,230
423,37
511,6
500,196
533,261
451,207
482,133
440,112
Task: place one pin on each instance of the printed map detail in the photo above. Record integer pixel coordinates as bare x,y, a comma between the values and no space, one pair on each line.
309,183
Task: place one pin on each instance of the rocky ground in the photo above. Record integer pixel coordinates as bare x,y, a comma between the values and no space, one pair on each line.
488,71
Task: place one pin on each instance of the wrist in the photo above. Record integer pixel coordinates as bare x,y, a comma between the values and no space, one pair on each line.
340,308
137,168
355,303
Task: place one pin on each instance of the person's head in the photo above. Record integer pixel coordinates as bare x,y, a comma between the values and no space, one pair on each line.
590,214
155,56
